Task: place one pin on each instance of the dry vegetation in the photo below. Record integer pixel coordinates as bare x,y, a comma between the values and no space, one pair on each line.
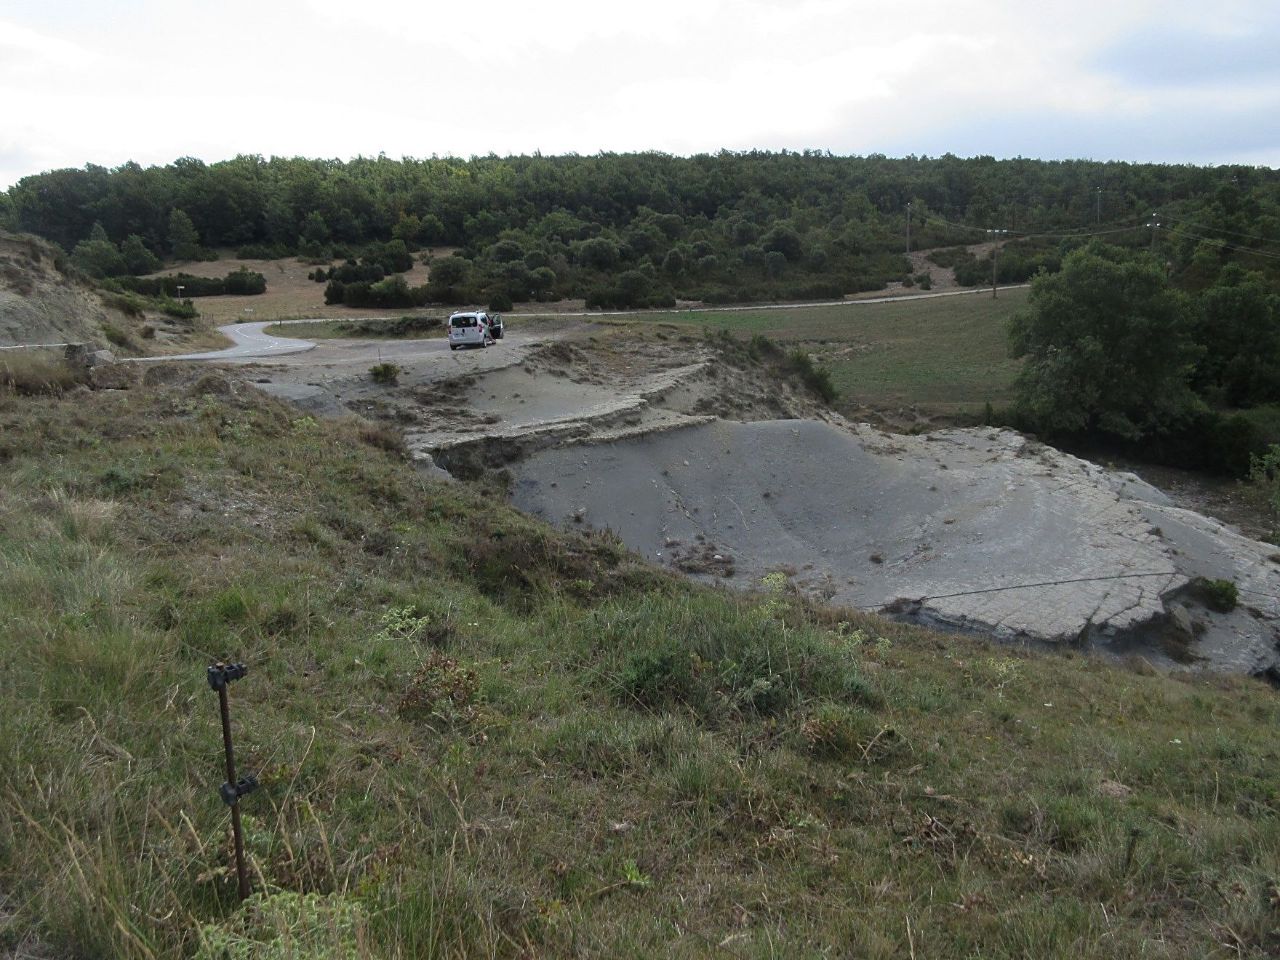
290,294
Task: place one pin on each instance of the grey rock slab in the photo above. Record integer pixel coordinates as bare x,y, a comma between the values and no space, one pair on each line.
972,529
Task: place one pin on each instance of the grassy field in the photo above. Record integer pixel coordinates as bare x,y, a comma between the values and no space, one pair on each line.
478,736
944,355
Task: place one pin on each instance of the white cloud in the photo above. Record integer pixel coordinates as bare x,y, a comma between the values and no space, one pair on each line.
152,81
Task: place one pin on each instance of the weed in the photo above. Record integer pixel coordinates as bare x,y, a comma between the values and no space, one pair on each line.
387,374
441,691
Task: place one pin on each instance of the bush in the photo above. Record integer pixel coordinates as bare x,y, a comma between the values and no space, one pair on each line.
244,282
241,282
387,374
127,304
817,379
179,309
499,301
1218,595
115,336
263,251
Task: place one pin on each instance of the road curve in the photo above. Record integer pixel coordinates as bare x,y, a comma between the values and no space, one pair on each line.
249,343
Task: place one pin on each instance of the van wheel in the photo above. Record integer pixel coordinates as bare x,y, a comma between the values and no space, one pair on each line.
453,346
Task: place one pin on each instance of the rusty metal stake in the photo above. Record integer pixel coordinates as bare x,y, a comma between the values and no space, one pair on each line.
220,675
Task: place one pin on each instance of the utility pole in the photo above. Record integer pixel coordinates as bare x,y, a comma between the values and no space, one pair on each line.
995,261
1097,209
1154,224
908,228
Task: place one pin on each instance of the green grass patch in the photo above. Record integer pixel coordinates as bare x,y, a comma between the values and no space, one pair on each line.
478,736
946,355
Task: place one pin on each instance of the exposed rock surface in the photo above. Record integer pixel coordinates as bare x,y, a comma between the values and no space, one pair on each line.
968,529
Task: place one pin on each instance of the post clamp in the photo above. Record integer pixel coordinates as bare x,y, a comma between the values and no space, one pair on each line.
221,674
231,794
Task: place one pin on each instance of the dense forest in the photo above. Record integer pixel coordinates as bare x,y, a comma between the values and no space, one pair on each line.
645,229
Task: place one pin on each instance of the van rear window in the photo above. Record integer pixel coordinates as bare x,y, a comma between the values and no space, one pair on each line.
463,321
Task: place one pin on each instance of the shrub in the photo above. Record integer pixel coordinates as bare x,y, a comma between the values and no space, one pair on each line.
130,306
244,282
241,281
262,251
115,336
817,379
1218,595
180,310
499,301
387,374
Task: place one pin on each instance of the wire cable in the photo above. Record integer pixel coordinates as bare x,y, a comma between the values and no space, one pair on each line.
1202,226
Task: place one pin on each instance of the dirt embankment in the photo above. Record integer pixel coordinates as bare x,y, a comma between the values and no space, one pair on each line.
43,300
40,303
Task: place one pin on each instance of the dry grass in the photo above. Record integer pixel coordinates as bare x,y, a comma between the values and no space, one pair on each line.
290,295
35,372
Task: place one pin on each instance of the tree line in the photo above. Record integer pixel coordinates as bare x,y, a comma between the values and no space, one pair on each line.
1116,354
648,228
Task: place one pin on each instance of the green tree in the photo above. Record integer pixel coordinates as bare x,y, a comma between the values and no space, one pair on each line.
542,281
1238,324
184,240
598,252
449,279
315,232
137,258
1108,347
98,258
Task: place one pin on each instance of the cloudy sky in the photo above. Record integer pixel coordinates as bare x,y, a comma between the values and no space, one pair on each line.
145,80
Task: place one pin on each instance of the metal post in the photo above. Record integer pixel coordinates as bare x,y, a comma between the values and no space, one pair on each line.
219,676
908,227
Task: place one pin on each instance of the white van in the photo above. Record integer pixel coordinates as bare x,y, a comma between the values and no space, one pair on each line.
469,330
474,329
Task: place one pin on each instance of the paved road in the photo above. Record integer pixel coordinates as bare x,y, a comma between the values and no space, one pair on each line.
250,343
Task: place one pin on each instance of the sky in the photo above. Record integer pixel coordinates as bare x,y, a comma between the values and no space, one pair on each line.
110,81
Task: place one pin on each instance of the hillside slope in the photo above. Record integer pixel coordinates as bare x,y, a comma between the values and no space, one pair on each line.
479,736
39,303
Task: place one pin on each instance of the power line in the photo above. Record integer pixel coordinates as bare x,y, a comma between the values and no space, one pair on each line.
1029,235
1234,233
1223,244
